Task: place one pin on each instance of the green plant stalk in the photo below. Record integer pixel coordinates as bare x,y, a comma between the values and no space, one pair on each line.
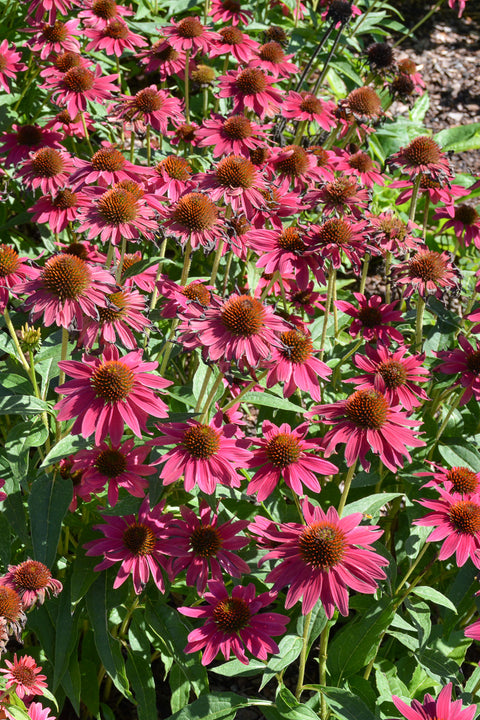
299,132
87,134
61,378
303,656
210,398
388,286
414,198
149,146
453,407
38,395
187,85
332,274
25,89
216,261
132,146
13,335
203,389
227,272
346,487
327,61
419,23
342,361
425,216
187,261
419,324
323,655
363,279
313,56
246,389
118,275
411,568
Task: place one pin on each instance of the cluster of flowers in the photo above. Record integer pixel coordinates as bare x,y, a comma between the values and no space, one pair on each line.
21,588
254,202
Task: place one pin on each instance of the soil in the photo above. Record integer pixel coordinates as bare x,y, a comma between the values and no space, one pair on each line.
447,51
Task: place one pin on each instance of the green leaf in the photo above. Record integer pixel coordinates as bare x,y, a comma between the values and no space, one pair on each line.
21,438
22,405
72,683
370,504
65,640
139,669
268,400
356,644
457,453
170,629
289,648
234,668
431,595
48,504
420,108
140,266
5,547
180,689
346,704
64,447
290,709
108,649
217,706
459,138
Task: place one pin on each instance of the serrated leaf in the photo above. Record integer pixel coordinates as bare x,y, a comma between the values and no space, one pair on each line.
428,593
48,504
459,138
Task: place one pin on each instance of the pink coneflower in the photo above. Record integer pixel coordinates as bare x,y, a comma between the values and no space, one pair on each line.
67,288
407,67
107,166
252,89
137,542
205,455
144,279
322,559
229,11
109,392
439,191
151,106
57,38
235,134
271,58
392,374
389,233
294,167
432,709
47,169
185,133
360,165
23,675
283,452
60,210
371,318
171,177
116,214
234,624
74,88
465,221
114,38
37,712
456,520
72,127
98,13
195,217
307,301
204,546
460,480
189,34
461,5
232,40
341,196
123,312
117,466
14,271
303,106
464,360
289,252
32,580
181,299
163,59
237,182
38,8
11,612
422,156
366,421
241,328
280,204
338,238
427,272
294,364
10,64
26,139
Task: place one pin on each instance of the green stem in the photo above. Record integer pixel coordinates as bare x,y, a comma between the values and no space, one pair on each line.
87,134
25,89
299,132
414,198
346,487
187,85
388,286
327,61
132,146
419,23
36,390
187,261
323,669
425,216
149,146
210,398
216,261
411,568
336,371
303,656
246,389
227,272
13,335
118,275
363,279
453,407
419,324
331,280
203,389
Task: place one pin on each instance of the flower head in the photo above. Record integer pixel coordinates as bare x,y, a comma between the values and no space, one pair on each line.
422,156
432,709
137,542
109,392
323,558
23,675
189,34
10,64
294,363
32,580
371,318
204,546
466,361
47,169
74,88
194,217
234,624
427,272
251,88
365,421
